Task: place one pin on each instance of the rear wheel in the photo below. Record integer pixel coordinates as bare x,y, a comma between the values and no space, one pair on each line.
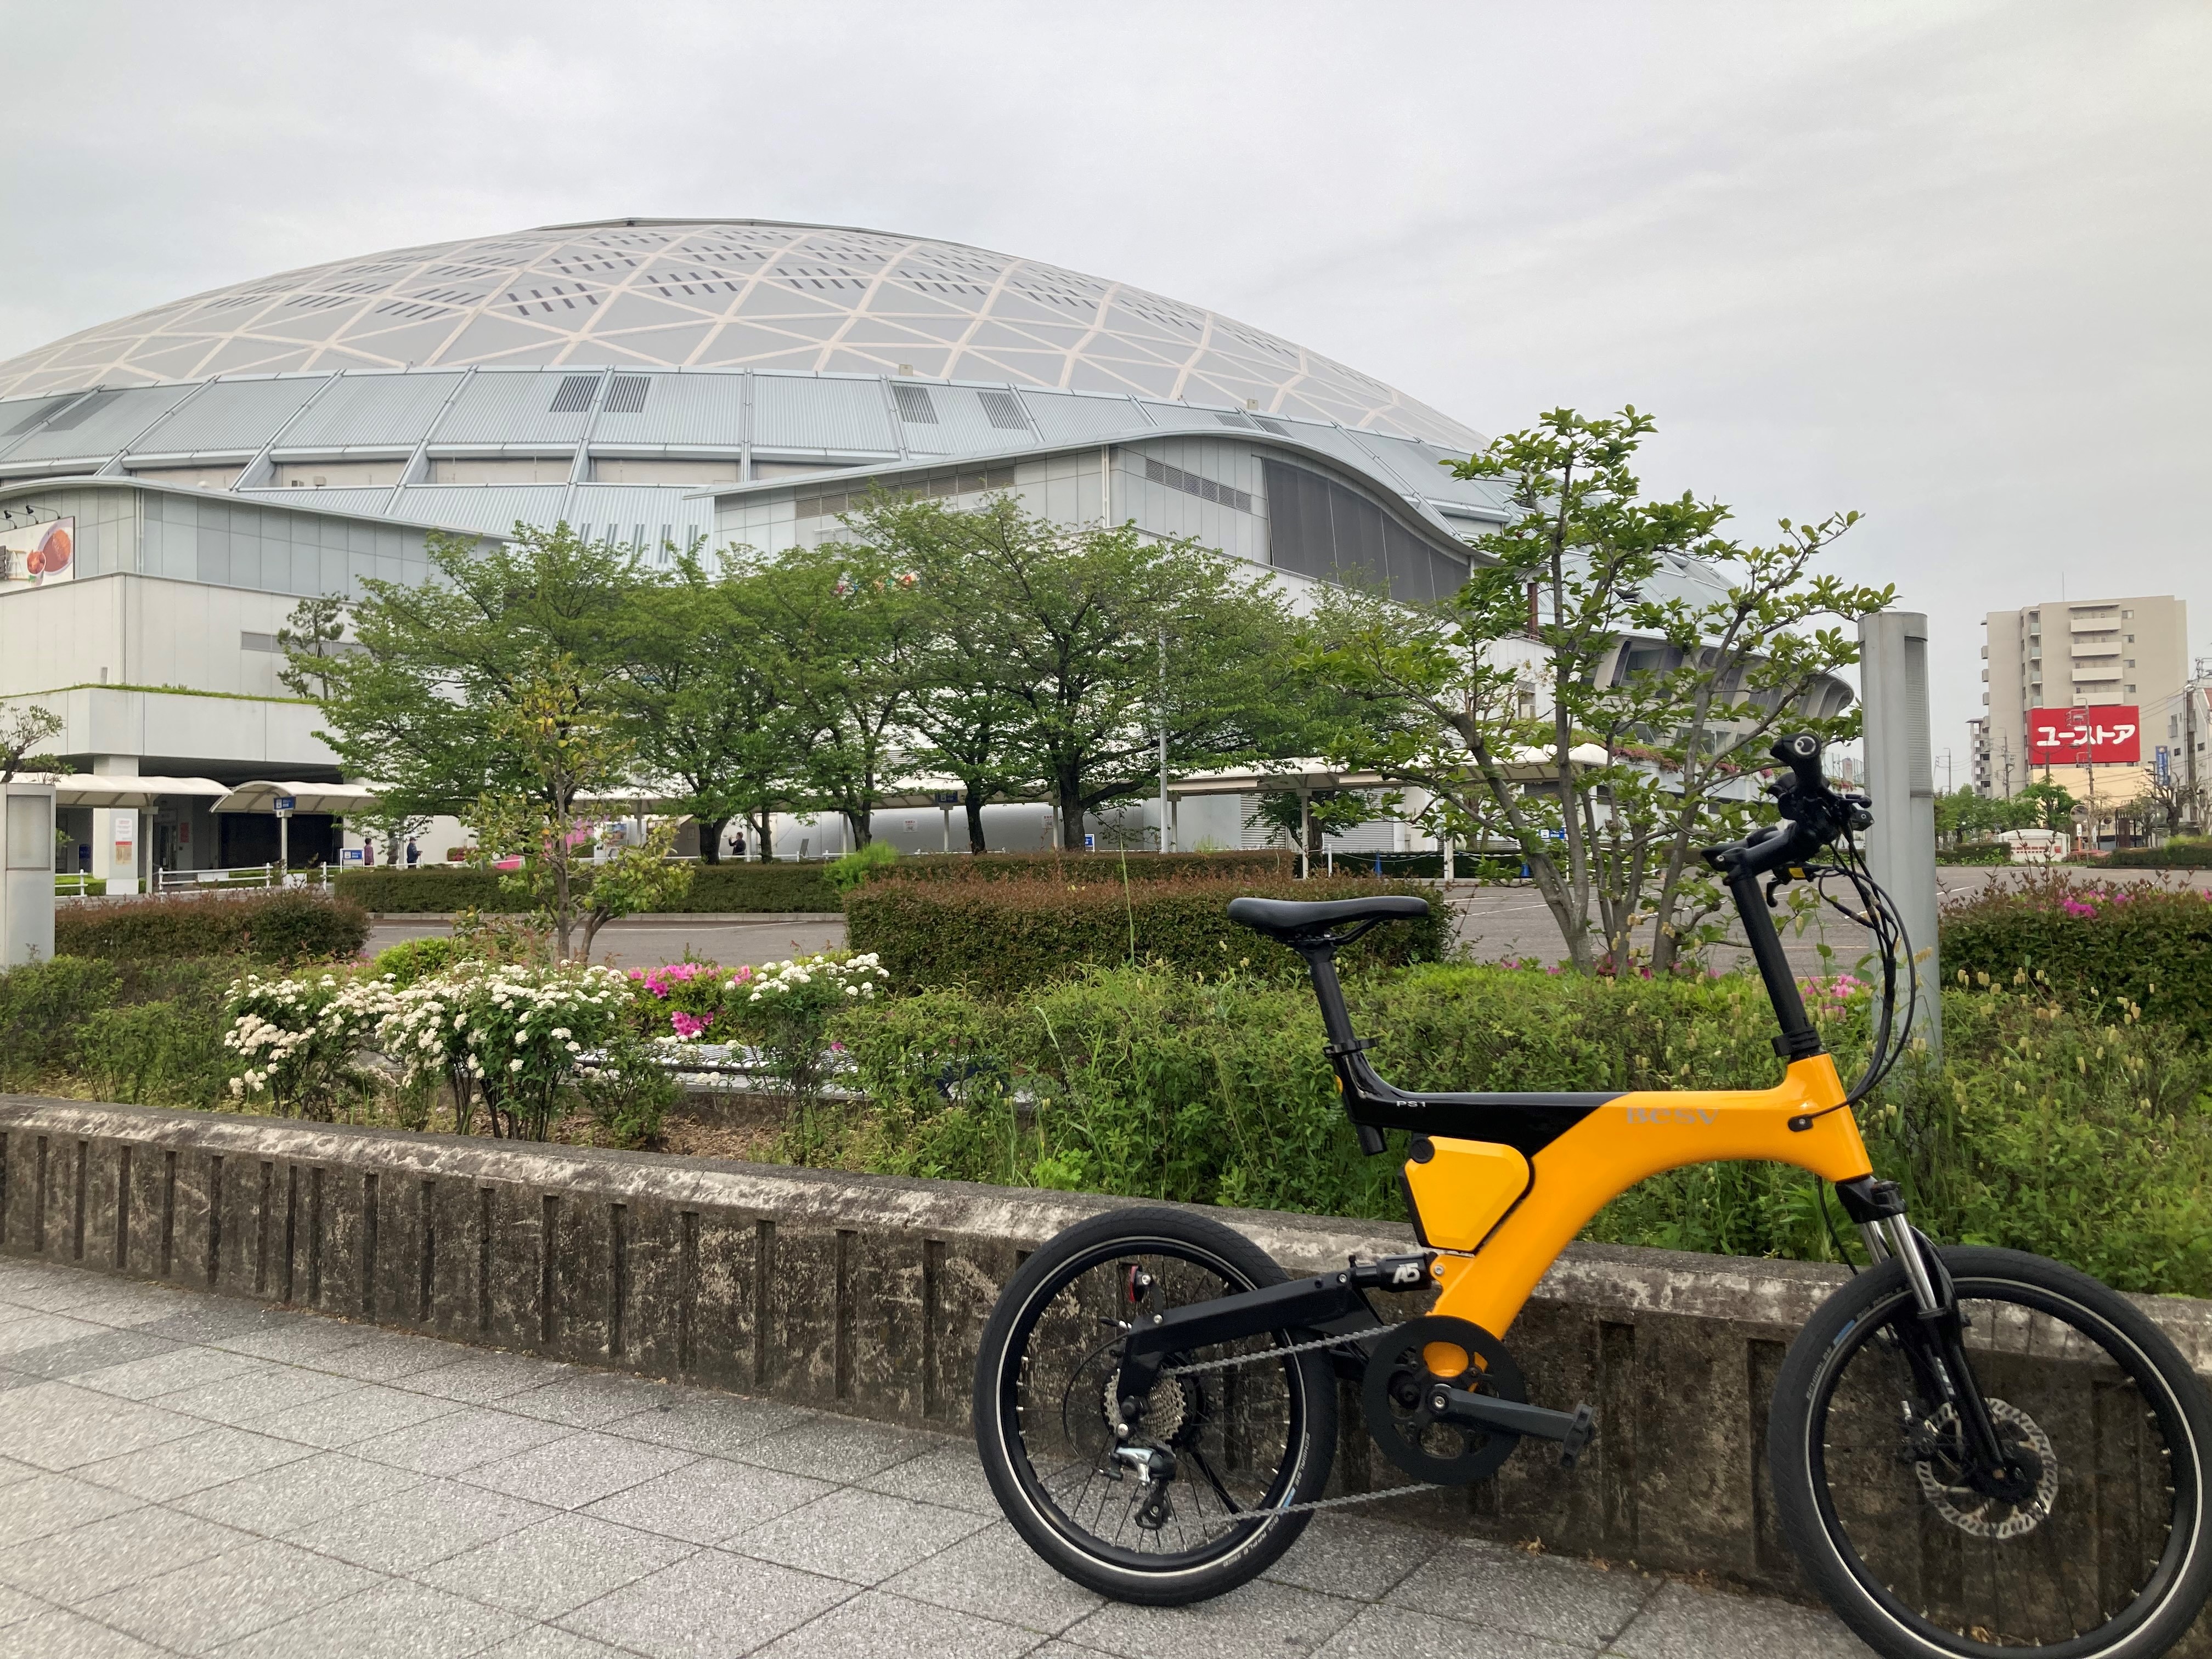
2089,1543
1188,1504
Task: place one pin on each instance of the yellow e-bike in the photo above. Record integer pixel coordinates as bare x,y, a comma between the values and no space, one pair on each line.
1974,1451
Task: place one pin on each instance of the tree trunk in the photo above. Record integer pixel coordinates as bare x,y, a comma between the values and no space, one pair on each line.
1070,815
976,844
710,840
856,830
564,915
763,820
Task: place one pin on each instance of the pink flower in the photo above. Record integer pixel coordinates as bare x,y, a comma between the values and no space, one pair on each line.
689,1025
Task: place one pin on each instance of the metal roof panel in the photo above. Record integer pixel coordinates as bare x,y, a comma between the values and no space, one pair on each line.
373,409
231,414
793,412
522,407
100,425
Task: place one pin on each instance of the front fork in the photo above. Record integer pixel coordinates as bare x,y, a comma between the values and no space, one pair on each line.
1934,1342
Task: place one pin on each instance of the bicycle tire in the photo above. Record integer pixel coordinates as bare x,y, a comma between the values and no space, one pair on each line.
1018,1381
2112,1415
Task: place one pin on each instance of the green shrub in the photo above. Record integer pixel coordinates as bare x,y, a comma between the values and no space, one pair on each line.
2184,853
716,888
43,1008
1000,937
1980,853
862,865
2092,943
628,1098
163,1054
294,925
2050,1130
412,959
1087,867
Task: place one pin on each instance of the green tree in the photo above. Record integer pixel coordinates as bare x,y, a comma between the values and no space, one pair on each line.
842,628
22,732
422,707
1563,700
708,711
311,638
1075,645
1323,813
2051,803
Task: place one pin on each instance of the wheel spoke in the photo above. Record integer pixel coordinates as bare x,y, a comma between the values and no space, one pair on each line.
1962,1555
1235,1437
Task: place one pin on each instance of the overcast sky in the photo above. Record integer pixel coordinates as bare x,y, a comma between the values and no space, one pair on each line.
1946,263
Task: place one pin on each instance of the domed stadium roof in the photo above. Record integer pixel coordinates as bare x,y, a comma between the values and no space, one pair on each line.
728,294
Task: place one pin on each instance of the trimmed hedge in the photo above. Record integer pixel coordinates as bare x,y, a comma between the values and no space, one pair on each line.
2090,942
294,926
2190,854
1980,853
1085,868
1000,938
716,888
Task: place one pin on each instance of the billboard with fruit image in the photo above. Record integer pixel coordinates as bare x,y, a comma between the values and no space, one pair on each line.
38,553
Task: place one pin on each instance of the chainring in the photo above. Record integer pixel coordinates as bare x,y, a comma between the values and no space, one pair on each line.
1395,1392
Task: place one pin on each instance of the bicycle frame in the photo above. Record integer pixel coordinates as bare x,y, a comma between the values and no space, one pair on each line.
1501,1183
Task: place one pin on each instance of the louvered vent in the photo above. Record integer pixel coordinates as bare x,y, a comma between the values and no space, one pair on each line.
1275,427
574,396
1190,484
1003,410
83,412
626,394
1236,420
915,406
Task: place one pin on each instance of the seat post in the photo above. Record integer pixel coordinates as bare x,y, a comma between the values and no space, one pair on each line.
1319,956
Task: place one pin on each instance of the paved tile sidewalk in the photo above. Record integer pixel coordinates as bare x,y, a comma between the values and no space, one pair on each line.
185,1474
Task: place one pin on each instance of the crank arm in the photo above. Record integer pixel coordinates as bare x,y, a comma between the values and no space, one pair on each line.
1572,1430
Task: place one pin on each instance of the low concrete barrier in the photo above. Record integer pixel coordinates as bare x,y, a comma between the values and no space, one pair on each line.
865,1295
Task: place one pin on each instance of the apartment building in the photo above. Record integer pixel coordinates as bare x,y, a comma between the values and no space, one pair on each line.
2064,653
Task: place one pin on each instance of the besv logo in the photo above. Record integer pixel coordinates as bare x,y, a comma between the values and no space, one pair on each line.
1672,1115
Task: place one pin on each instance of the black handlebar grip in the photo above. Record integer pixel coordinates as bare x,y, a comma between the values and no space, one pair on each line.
1800,753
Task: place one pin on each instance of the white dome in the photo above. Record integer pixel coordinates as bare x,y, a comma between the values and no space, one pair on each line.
728,294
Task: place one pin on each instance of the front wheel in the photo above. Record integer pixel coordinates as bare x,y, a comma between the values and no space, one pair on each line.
2088,1543
1190,1503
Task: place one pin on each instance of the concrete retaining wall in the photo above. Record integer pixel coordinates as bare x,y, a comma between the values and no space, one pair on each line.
865,1295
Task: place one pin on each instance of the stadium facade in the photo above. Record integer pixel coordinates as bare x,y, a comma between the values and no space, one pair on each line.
171,484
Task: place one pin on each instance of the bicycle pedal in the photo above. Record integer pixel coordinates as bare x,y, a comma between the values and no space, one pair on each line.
1578,1436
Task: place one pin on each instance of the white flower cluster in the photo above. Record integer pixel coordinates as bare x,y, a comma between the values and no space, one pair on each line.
284,1030
837,973
471,1019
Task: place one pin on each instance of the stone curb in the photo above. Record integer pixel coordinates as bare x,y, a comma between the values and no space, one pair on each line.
867,1295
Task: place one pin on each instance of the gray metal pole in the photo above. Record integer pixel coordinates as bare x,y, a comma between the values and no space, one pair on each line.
1163,741
1901,780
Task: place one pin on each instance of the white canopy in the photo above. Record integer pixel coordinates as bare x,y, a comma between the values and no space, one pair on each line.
335,798
93,789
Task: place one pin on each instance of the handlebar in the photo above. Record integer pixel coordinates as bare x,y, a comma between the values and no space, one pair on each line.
1813,814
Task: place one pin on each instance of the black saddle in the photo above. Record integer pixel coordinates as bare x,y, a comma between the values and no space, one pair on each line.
1290,919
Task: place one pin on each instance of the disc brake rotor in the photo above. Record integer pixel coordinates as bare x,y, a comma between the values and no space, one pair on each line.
1981,1515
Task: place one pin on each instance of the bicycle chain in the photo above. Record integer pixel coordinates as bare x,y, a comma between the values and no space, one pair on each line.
1281,1353
1268,1353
